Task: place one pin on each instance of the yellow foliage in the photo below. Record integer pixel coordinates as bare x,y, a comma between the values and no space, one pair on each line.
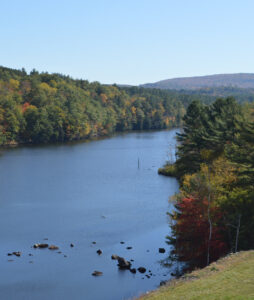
133,110
87,129
14,84
48,89
167,121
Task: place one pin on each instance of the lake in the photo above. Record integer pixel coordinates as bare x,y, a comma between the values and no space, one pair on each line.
105,191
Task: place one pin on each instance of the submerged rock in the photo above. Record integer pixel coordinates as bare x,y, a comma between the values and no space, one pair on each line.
99,251
123,264
122,242
97,273
128,248
71,245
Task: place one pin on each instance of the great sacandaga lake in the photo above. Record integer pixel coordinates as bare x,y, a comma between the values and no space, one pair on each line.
82,193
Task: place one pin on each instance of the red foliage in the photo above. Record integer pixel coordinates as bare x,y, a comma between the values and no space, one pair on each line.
192,232
25,106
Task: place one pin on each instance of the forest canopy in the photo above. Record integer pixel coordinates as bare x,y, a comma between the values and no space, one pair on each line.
42,108
214,211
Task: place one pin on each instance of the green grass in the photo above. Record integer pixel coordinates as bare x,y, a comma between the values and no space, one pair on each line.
229,278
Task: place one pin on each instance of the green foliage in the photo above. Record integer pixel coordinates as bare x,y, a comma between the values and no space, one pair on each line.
43,108
215,165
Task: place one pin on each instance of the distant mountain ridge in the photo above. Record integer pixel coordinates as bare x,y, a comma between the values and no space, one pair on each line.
240,80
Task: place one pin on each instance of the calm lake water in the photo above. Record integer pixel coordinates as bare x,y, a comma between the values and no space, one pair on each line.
79,193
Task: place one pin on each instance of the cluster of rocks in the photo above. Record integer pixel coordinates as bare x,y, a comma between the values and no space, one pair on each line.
38,246
124,264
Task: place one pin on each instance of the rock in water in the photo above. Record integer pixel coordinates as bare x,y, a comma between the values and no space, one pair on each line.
53,247
162,250
72,245
114,256
123,264
40,246
134,271
128,248
142,269
99,251
97,273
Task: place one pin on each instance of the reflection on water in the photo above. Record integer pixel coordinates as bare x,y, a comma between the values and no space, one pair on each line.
83,193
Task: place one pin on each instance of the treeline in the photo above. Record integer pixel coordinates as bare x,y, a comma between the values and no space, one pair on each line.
43,108
240,94
214,211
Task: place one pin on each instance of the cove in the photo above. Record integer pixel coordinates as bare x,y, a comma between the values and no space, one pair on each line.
82,193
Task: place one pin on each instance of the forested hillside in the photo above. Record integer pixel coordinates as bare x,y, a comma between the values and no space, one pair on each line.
241,80
215,164
42,108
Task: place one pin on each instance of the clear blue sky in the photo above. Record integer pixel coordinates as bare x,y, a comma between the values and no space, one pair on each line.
127,41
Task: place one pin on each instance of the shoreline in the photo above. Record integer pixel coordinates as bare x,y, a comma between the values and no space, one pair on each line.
13,145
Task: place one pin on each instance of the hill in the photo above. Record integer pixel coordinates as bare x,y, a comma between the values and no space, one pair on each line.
229,278
241,80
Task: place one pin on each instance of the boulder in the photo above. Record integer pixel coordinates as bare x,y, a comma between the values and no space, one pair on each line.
134,271
40,246
99,251
18,253
97,273
53,247
142,269
162,250
123,264
114,256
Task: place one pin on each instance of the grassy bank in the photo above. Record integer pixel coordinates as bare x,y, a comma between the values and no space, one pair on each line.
229,278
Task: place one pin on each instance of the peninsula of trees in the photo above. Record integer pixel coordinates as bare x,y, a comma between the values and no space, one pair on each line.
215,164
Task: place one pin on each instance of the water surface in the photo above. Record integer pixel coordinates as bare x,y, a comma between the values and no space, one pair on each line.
79,193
